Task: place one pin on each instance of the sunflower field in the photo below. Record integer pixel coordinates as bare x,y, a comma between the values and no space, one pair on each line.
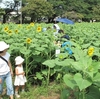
77,65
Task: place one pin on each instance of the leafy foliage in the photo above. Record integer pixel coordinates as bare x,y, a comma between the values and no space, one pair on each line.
79,71
38,8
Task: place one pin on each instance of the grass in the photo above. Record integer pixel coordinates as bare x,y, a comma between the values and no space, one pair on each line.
36,91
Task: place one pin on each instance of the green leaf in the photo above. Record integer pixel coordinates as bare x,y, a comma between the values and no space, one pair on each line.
94,93
97,78
39,76
77,66
81,83
85,45
25,51
38,58
45,72
49,63
69,81
90,74
66,62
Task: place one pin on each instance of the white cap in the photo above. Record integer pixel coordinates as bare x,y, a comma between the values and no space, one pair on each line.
18,60
3,46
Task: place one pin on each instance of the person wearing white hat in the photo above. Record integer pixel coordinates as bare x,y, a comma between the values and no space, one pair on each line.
20,78
6,71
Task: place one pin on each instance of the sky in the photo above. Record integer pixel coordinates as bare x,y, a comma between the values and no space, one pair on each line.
5,3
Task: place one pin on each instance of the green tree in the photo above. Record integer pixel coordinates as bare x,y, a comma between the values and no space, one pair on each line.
96,12
38,9
1,11
9,7
59,7
86,8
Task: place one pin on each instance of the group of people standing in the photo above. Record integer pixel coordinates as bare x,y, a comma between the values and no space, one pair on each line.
6,73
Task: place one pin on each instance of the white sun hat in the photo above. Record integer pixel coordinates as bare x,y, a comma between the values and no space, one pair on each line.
3,46
18,60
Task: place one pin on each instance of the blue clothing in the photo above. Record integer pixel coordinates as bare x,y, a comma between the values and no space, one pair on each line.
7,77
67,45
69,51
66,37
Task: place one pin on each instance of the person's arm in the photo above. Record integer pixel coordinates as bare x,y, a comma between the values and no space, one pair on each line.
9,63
0,80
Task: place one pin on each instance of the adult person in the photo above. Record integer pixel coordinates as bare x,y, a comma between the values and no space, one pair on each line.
5,70
66,43
63,34
57,28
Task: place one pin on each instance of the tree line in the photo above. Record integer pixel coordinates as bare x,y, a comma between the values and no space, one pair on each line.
40,10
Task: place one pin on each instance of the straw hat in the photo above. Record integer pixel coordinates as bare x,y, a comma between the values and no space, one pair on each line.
3,46
18,60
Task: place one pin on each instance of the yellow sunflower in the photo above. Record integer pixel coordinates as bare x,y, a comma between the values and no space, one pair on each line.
16,31
9,32
90,51
28,40
19,25
6,29
39,29
28,27
32,24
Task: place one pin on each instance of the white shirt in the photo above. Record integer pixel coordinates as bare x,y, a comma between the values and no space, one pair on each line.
57,26
57,29
4,68
20,70
20,79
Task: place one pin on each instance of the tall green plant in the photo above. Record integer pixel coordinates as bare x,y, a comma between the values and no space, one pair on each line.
86,74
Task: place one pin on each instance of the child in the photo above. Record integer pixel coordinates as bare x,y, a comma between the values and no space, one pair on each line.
20,78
